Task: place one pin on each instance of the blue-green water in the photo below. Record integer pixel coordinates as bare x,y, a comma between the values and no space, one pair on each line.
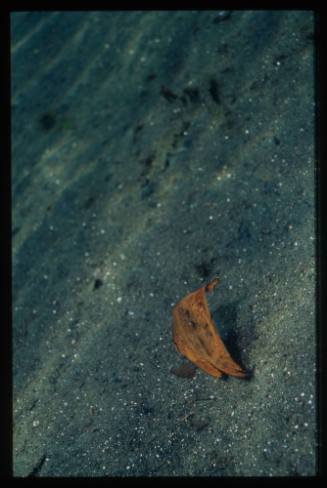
150,152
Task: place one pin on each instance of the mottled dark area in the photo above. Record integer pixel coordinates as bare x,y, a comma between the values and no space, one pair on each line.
151,151
214,91
98,283
185,370
47,122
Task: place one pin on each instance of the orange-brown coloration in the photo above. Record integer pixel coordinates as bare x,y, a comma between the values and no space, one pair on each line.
196,337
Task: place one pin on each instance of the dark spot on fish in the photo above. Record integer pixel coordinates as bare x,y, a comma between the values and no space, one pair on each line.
193,324
186,316
187,313
208,333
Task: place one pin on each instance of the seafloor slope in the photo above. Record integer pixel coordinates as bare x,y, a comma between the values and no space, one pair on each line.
150,152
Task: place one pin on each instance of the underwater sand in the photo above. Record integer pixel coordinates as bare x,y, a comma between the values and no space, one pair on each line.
152,151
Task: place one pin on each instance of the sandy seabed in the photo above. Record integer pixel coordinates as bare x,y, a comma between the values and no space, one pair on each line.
152,151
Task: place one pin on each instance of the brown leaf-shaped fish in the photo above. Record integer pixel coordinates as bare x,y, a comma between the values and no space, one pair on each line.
196,337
